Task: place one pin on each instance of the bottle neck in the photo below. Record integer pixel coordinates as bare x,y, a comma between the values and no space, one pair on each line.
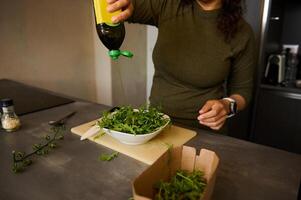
9,109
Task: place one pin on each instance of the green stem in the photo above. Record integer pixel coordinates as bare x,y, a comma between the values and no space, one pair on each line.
34,152
184,177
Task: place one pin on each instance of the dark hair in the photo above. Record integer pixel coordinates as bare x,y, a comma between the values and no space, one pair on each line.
229,17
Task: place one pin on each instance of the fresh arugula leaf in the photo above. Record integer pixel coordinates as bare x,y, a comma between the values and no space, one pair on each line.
126,119
183,185
108,157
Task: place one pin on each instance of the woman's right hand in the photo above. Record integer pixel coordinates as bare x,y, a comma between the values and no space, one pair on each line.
125,5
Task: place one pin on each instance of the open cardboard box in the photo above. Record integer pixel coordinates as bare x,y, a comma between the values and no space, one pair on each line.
165,167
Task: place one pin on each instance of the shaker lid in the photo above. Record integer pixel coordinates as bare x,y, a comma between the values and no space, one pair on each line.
6,102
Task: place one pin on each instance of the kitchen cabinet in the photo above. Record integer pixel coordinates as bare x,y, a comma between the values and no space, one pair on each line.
277,120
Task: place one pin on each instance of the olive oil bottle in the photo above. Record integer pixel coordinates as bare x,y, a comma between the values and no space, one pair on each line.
110,34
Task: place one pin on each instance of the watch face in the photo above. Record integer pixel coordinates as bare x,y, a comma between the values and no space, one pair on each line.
233,107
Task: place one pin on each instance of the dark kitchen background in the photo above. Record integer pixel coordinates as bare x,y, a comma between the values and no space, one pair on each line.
274,117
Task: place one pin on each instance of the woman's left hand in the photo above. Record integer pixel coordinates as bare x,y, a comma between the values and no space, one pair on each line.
214,113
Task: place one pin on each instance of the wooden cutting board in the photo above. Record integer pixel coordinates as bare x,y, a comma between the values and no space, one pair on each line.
148,152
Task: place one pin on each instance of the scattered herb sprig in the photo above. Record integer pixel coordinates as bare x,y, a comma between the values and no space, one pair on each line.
108,157
21,160
99,135
183,185
126,119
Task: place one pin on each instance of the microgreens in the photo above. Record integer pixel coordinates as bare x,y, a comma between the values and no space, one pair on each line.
129,120
183,185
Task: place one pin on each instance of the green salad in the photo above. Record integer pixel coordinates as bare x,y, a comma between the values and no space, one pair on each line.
133,121
182,186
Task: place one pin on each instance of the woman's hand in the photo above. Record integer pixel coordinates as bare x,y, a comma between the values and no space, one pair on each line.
214,113
125,5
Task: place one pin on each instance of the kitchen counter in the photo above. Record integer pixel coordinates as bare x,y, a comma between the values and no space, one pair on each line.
73,172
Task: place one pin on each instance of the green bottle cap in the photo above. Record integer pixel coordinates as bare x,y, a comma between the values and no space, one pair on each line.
127,54
114,54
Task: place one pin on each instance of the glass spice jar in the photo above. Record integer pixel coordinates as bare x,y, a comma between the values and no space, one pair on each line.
10,121
0,117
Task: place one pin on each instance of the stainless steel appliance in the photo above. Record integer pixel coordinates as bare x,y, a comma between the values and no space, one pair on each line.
275,69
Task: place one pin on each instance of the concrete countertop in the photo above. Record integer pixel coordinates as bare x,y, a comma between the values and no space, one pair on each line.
73,172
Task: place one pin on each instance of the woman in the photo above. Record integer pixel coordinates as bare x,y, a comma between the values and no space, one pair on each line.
201,45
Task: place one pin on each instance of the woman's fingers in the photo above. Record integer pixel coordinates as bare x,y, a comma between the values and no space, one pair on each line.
208,105
118,5
124,5
213,114
111,1
217,127
215,124
221,114
210,110
124,15
209,114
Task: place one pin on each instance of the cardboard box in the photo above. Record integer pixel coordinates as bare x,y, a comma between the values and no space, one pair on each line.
164,168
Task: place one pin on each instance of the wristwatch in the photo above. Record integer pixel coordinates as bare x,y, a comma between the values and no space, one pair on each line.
232,107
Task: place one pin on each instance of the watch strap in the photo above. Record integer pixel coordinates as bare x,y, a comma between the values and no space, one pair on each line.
231,106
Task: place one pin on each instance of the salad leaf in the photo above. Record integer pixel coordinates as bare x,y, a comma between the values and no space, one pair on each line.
108,157
183,185
128,120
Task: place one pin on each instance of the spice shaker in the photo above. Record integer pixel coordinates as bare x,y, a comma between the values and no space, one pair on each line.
0,117
10,121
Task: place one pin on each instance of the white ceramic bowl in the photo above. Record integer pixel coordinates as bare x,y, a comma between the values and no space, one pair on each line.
132,139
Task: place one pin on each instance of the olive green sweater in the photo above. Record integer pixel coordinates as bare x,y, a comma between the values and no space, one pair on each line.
192,59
